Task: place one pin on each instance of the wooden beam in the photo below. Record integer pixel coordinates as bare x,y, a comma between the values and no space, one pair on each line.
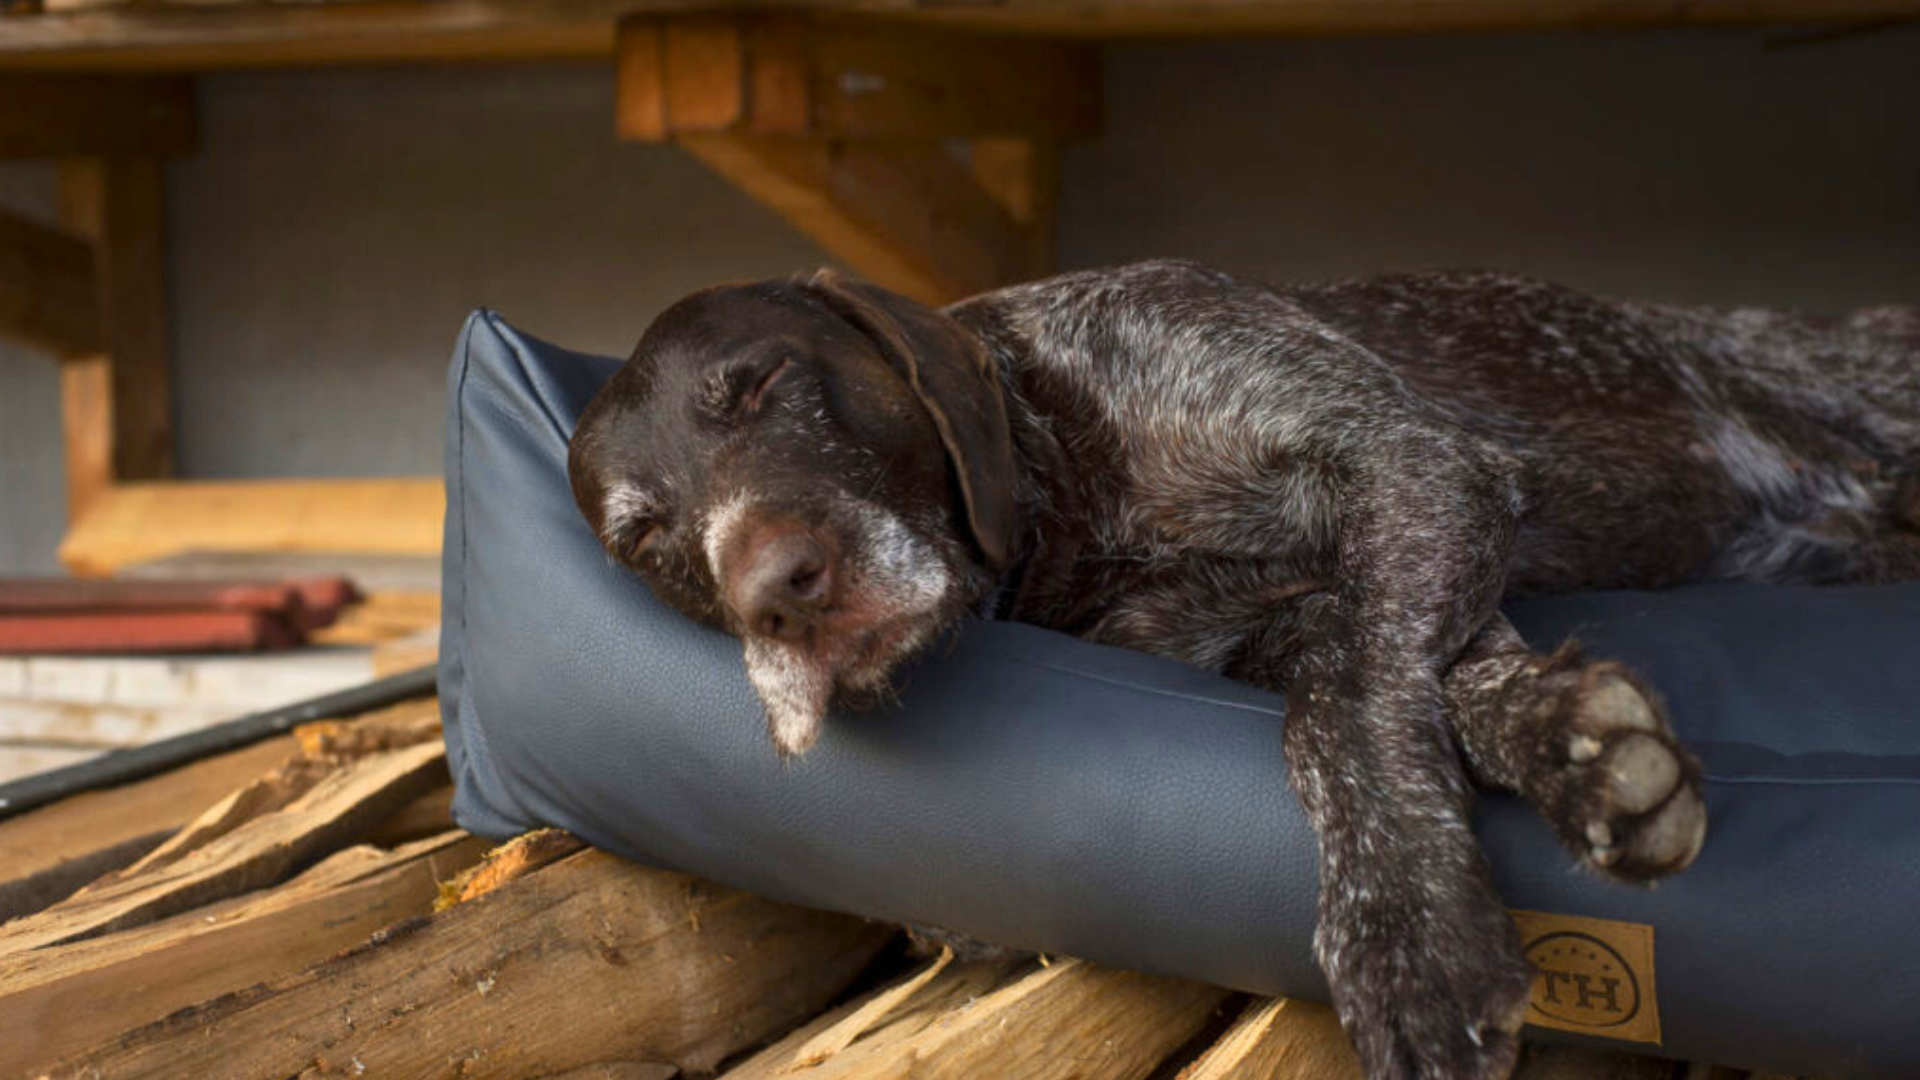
189,36
907,215
1225,18
133,523
51,116
590,960
1022,176
117,401
47,287
788,75
147,37
923,159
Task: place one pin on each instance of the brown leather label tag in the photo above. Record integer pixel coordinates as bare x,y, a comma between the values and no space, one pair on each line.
1593,976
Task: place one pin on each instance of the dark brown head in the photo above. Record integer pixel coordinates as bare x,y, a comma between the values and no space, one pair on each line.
818,466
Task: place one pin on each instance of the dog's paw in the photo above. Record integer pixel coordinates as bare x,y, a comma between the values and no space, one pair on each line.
1630,797
1418,1008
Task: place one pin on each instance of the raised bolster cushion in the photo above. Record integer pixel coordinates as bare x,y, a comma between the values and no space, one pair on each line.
1034,790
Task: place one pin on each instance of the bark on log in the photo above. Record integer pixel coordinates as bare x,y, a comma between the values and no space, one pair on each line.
510,861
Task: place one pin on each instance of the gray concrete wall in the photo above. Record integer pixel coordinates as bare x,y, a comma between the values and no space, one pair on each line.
33,496
1685,166
336,226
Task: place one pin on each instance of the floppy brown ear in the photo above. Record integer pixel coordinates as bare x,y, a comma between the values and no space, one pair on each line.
954,378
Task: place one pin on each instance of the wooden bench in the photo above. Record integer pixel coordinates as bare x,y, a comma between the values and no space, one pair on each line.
915,140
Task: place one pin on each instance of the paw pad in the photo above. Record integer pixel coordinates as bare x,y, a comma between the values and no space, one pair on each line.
1635,801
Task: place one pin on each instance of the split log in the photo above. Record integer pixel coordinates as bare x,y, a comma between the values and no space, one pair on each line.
341,808
1280,1039
510,862
409,723
58,1001
1067,1019
429,815
589,961
56,849
268,795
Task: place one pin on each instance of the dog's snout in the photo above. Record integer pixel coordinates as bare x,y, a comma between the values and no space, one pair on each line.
784,583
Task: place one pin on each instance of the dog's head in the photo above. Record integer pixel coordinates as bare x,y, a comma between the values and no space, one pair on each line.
818,466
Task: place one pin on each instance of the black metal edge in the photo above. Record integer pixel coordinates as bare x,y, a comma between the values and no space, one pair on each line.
137,763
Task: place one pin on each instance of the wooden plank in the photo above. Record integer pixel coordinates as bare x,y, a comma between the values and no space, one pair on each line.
1279,1039
793,76
341,807
146,632
588,961
906,215
1022,176
384,617
134,523
59,1001
117,402
372,573
46,286
153,37
1062,1021
50,116
148,38
1220,18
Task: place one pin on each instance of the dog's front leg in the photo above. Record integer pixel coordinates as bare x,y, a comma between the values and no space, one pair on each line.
1424,964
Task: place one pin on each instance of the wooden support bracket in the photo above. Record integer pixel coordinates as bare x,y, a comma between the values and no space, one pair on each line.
924,159
50,116
47,287
116,397
93,291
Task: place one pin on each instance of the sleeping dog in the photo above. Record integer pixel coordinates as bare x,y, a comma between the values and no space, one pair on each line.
1325,490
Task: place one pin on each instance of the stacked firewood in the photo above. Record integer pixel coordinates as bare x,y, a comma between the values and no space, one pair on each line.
304,908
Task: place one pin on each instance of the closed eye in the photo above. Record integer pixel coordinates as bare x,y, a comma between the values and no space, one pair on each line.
750,401
642,537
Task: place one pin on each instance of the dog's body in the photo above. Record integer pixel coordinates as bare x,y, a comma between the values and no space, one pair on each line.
1326,490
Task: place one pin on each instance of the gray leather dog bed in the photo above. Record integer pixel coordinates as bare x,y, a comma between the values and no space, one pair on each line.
1035,790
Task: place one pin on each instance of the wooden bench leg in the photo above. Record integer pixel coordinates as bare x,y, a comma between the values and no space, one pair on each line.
117,401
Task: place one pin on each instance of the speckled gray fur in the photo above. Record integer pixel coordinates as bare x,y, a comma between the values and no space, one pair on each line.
1330,489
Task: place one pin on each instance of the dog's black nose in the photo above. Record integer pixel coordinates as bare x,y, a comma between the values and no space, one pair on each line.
783,586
